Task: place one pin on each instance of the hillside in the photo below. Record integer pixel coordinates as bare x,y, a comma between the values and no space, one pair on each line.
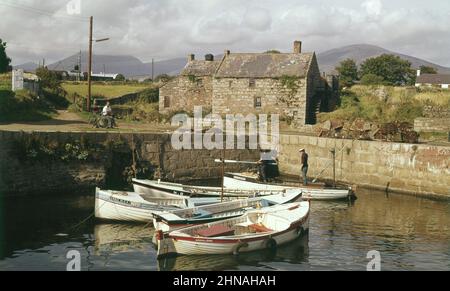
126,65
131,66
328,60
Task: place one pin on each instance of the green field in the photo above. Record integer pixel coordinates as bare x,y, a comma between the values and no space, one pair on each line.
107,90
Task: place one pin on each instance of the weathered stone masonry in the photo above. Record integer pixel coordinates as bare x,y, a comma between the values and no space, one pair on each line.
28,177
404,168
289,84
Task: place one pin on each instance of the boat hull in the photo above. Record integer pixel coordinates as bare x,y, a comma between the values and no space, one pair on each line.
110,206
178,243
237,181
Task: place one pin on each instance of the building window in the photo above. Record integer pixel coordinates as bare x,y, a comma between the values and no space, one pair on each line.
258,102
199,82
167,102
252,83
230,83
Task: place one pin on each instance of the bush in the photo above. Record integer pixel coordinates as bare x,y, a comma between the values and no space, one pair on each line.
149,95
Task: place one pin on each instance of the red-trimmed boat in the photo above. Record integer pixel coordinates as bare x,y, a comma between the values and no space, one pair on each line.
256,230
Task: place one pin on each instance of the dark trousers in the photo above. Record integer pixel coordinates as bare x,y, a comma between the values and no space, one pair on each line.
305,175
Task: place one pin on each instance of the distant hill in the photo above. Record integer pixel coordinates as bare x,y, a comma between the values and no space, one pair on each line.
28,67
330,59
131,66
126,65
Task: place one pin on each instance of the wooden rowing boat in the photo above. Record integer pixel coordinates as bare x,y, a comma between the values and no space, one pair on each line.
159,189
313,192
176,219
256,230
135,207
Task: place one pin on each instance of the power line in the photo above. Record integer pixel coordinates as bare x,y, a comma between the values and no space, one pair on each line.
42,12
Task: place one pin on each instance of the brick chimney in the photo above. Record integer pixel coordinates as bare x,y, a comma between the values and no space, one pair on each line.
191,58
297,47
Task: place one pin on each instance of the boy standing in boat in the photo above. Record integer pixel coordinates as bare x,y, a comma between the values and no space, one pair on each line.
304,160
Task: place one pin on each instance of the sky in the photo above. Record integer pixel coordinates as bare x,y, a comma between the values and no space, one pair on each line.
163,29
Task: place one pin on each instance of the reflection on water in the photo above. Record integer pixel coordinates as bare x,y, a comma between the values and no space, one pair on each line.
410,234
294,253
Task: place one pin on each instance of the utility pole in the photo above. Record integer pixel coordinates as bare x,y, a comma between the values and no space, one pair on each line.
91,28
79,68
153,68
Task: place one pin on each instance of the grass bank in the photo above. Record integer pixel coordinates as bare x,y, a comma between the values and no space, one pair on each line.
384,104
22,105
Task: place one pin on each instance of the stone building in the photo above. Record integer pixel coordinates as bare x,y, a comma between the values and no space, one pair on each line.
289,84
192,88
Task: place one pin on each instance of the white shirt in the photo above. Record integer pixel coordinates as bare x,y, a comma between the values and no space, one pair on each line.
106,111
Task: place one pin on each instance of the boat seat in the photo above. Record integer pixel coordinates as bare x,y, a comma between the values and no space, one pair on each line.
202,214
259,228
215,231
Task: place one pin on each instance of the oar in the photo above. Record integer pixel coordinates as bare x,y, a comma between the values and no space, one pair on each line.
242,162
236,162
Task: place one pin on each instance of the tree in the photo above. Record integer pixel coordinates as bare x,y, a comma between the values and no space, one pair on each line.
163,78
348,72
371,79
273,52
427,70
5,61
393,69
49,79
120,77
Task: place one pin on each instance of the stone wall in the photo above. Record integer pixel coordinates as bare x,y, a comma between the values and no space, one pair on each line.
432,125
403,168
19,176
184,93
235,96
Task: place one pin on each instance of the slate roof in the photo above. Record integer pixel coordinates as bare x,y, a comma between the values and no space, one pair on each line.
200,68
266,65
433,79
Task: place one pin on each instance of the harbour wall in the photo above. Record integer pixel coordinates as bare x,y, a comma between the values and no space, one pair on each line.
54,162
51,162
421,170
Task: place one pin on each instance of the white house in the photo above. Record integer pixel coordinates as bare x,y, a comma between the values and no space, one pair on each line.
433,80
24,81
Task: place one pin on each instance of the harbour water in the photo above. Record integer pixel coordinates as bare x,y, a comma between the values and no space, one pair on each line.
408,232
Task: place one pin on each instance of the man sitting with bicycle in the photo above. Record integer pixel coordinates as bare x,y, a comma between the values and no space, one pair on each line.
108,115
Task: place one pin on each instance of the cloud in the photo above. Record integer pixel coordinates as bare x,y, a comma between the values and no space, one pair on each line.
373,7
172,28
258,19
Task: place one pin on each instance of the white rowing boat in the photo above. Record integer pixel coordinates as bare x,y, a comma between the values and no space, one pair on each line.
256,230
135,207
160,189
177,219
312,192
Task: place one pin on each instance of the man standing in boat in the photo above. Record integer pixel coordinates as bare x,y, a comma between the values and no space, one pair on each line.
305,166
268,166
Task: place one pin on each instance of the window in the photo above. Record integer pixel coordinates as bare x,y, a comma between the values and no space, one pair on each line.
167,102
199,82
258,102
230,83
252,83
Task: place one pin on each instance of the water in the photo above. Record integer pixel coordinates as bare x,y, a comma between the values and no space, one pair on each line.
409,233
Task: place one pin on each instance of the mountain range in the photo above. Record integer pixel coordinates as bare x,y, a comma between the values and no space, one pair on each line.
131,66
